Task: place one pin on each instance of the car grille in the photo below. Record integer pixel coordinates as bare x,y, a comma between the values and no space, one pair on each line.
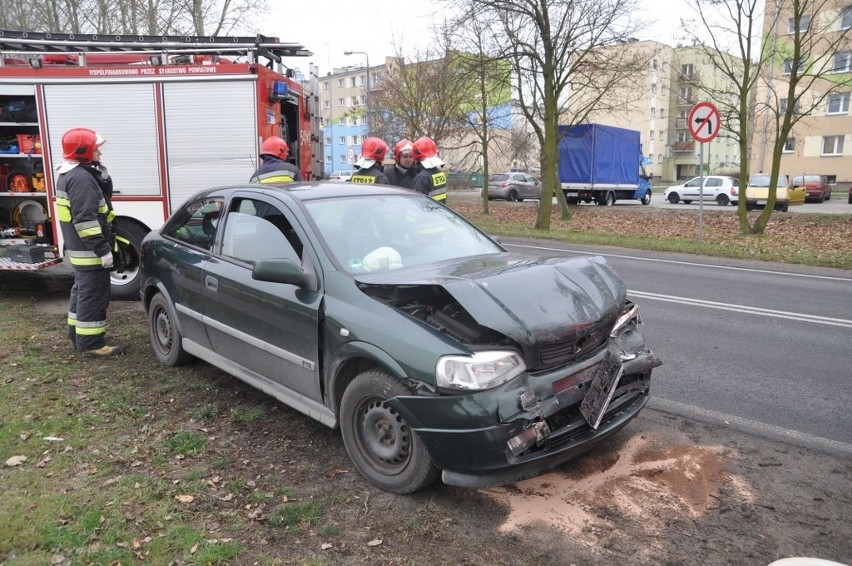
578,346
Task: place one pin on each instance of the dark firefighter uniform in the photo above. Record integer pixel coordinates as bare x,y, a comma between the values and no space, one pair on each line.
85,218
275,170
432,182
372,175
402,177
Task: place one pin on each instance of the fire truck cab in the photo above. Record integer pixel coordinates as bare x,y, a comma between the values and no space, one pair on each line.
179,114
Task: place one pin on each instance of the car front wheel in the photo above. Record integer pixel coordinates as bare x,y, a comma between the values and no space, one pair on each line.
646,199
165,335
378,439
674,198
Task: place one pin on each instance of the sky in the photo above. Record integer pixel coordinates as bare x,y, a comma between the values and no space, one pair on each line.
330,27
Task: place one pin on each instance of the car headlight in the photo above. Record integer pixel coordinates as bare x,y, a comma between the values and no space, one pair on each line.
482,370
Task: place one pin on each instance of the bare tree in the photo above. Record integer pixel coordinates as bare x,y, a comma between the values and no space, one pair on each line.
733,26
421,95
555,48
792,91
480,64
812,59
145,17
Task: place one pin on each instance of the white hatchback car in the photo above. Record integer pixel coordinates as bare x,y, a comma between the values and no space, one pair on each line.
721,189
341,175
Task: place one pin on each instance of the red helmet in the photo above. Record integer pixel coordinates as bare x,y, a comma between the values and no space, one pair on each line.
79,144
402,146
374,148
423,148
275,147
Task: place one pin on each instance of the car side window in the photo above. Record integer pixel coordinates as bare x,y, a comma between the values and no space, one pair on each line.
694,183
256,230
196,224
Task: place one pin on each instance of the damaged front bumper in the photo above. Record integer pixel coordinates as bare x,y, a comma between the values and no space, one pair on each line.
530,424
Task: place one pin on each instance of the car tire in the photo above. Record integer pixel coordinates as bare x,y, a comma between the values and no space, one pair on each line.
379,441
520,200
784,207
512,196
687,202
646,199
722,200
828,195
165,335
125,284
674,198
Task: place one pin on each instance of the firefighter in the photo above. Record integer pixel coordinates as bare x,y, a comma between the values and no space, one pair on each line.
404,171
430,180
369,165
274,167
85,214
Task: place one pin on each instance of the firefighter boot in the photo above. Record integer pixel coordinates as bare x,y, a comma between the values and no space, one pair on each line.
103,352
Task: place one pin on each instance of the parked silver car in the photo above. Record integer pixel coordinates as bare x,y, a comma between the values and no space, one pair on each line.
514,186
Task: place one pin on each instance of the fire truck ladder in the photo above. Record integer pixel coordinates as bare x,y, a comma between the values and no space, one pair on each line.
31,45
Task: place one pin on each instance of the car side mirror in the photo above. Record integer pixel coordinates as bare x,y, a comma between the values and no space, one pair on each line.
277,270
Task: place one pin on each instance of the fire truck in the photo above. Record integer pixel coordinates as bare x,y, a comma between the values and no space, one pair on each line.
179,114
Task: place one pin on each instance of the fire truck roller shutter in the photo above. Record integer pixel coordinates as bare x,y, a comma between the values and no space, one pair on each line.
125,115
224,114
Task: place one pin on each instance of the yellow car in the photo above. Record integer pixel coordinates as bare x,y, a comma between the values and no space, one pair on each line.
786,195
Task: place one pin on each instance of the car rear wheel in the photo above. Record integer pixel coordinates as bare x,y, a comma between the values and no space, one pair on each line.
674,198
722,200
165,336
512,196
379,440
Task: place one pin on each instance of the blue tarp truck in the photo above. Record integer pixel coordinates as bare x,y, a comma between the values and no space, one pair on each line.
601,164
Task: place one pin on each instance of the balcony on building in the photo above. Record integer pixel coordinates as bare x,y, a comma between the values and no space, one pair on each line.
682,146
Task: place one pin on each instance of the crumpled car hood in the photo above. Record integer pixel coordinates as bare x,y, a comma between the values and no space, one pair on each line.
528,299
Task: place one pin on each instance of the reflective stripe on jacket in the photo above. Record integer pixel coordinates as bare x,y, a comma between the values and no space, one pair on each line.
274,170
433,183
85,216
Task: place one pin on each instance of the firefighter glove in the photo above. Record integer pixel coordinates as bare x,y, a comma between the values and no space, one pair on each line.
107,260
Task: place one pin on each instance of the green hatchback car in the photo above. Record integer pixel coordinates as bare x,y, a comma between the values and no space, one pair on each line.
382,312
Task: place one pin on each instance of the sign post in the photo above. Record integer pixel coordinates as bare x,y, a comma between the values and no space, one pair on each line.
704,124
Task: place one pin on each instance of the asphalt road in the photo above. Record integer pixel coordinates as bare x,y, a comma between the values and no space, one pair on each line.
761,346
837,205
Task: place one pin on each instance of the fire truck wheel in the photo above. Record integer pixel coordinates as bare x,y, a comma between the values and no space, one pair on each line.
125,279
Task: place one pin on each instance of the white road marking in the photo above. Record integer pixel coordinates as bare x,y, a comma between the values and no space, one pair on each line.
694,264
744,309
801,438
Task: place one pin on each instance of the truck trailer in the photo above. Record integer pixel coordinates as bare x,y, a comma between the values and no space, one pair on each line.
179,114
601,164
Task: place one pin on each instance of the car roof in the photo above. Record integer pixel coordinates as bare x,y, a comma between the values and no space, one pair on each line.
306,191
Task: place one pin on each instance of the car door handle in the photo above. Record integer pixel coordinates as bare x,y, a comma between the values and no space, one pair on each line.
211,283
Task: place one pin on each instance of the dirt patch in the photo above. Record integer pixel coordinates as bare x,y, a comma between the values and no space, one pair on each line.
645,480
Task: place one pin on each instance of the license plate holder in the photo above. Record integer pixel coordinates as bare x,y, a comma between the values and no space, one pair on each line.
761,203
601,389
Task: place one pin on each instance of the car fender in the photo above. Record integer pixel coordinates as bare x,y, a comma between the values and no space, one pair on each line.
152,286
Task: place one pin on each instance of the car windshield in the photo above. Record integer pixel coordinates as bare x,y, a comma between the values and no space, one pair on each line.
759,181
377,233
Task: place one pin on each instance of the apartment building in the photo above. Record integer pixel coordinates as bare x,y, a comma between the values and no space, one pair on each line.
344,111
657,103
821,142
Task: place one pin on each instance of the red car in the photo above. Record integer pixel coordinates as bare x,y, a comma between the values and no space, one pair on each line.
817,187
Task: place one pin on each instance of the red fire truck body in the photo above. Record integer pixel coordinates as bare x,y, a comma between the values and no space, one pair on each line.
178,114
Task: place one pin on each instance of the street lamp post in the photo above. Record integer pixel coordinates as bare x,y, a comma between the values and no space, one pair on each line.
364,53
